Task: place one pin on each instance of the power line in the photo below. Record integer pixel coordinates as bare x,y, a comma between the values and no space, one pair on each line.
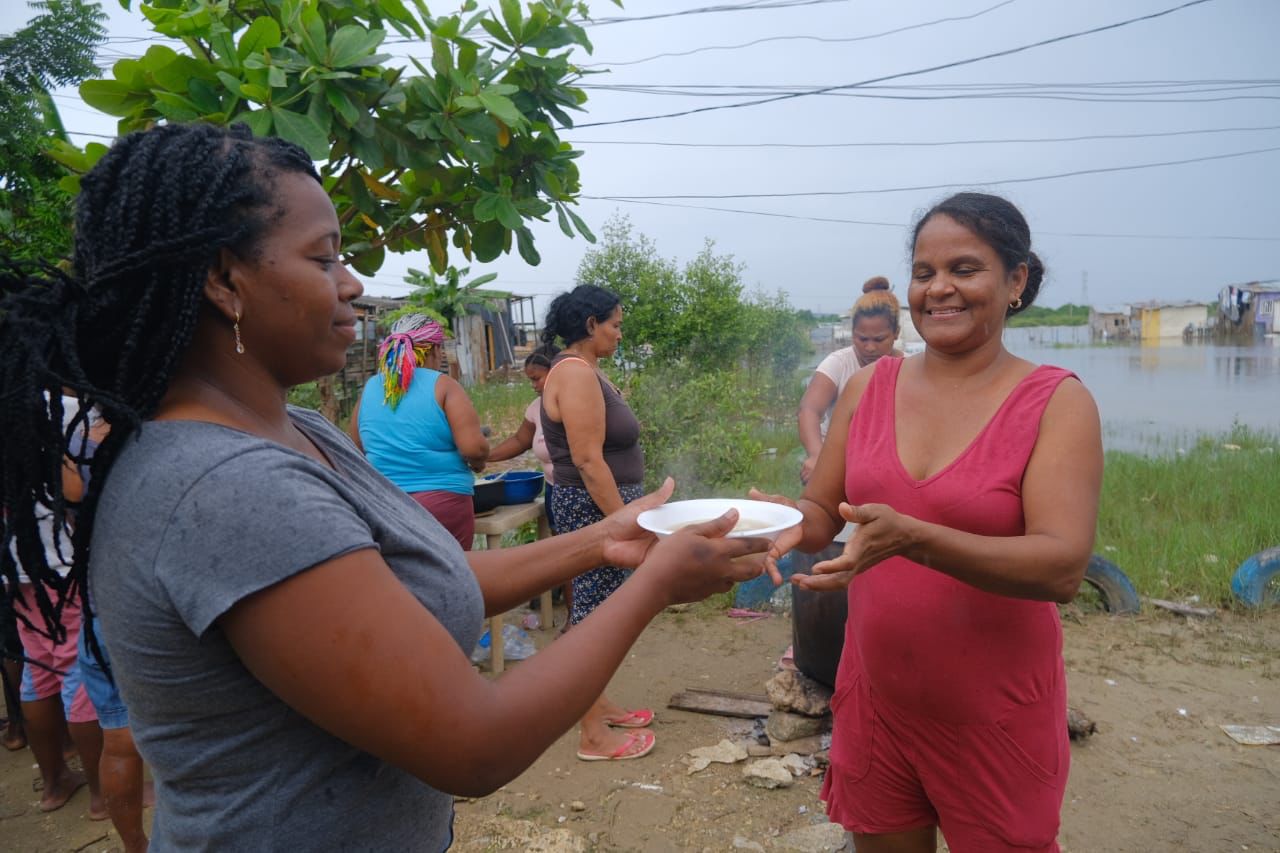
802,38
917,72
905,225
753,6
1072,174
1125,89
912,144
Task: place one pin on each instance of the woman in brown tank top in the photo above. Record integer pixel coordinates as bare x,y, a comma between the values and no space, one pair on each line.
593,439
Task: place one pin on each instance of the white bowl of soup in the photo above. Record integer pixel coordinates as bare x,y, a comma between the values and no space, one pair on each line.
755,518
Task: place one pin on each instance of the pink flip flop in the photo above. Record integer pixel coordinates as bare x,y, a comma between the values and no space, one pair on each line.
638,745
637,719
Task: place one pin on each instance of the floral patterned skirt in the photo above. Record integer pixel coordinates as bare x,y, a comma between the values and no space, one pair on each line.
573,509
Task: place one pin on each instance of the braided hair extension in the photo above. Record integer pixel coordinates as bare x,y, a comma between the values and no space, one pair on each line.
151,218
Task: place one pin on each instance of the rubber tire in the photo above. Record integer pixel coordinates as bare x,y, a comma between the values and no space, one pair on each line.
1118,594
1251,581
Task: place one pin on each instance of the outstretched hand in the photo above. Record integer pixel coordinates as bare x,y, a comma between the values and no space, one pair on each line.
701,560
882,533
626,543
785,541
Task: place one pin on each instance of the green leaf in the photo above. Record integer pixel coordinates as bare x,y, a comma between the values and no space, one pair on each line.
276,77
512,17
486,208
63,152
468,102
110,97
494,29
69,184
564,221
581,226
369,262
254,92
130,73
487,240
262,35
301,130
466,57
179,105
441,56
360,195
524,243
231,82
313,35
342,104
508,215
203,94
352,42
396,11
259,122
502,107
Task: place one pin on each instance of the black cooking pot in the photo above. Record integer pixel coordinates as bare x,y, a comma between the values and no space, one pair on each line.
487,496
817,620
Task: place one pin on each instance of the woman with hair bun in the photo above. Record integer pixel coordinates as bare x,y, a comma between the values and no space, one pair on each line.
875,329
973,476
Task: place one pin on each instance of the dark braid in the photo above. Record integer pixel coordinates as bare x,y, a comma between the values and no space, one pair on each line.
151,218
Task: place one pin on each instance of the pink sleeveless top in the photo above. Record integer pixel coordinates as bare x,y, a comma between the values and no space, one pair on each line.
922,640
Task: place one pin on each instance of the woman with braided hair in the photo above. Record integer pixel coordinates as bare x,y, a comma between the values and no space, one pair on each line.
244,557
419,428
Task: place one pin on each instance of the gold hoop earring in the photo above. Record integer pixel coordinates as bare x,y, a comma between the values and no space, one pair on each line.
239,344
1016,304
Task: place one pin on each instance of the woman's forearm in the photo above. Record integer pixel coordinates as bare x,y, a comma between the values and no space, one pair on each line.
1038,566
599,482
810,425
511,576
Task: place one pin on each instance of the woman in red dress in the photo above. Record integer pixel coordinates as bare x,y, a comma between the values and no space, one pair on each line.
973,476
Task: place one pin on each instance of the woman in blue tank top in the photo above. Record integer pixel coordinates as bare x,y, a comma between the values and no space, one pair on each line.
419,428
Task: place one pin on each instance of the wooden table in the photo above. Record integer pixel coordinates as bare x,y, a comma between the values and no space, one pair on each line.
491,527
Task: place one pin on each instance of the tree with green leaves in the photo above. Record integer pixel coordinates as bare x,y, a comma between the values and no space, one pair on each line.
55,48
699,314
445,297
456,153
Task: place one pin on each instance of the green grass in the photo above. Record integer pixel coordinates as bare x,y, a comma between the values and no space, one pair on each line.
501,405
1180,524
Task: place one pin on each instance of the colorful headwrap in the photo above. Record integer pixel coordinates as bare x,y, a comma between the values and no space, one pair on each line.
402,351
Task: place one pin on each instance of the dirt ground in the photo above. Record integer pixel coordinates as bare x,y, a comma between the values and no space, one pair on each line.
1158,775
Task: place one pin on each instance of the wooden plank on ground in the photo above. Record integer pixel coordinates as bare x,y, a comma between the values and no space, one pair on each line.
722,702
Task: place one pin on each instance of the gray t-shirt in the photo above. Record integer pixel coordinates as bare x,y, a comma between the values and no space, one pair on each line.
196,517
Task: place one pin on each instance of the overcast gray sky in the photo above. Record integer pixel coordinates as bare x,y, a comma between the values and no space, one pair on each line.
1222,54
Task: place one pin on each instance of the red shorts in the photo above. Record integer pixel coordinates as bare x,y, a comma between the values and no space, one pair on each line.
988,787
55,669
455,512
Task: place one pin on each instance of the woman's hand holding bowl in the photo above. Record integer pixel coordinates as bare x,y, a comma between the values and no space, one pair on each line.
881,533
701,559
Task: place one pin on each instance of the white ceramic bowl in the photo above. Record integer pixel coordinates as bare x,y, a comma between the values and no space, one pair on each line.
755,518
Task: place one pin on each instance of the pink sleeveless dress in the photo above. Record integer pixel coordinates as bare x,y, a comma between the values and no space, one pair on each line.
950,705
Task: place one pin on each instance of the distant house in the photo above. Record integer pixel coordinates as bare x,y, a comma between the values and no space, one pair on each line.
495,334
1152,321
1109,322
1249,310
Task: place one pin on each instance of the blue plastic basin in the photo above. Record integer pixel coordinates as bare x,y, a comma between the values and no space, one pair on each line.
520,487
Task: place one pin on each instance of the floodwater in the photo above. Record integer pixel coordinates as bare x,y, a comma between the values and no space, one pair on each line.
1155,398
